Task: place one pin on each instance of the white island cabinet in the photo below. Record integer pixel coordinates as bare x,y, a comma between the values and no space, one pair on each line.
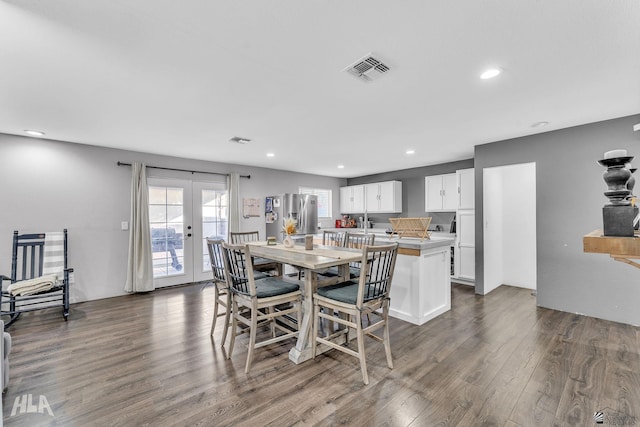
421,286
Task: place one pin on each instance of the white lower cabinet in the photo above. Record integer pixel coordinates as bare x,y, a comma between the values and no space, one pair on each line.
421,287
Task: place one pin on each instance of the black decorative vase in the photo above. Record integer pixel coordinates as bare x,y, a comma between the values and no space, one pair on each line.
632,181
617,213
616,177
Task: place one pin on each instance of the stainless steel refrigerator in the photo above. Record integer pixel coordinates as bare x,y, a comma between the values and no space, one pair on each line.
301,207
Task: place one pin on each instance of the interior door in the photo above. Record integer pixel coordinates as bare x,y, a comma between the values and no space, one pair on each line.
181,215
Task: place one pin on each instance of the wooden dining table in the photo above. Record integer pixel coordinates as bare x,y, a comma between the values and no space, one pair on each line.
311,261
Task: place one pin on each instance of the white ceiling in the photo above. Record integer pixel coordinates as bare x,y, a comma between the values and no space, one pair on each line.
182,78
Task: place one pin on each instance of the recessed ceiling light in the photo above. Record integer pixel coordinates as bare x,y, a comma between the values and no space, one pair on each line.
490,73
340,166
33,132
239,140
410,152
539,124
270,155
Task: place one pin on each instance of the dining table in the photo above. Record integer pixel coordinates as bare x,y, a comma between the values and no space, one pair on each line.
311,262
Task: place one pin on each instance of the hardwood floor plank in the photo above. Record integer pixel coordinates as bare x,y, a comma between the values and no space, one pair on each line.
621,390
586,375
539,400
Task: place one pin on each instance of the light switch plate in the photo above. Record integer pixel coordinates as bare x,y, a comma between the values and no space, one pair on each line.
124,225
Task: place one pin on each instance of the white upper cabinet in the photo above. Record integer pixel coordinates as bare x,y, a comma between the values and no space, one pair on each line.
384,196
352,199
466,188
375,197
441,193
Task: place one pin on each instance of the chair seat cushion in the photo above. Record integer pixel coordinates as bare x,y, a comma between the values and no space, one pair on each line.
271,287
354,272
343,292
257,275
346,292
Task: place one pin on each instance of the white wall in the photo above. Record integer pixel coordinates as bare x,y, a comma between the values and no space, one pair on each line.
519,225
493,243
50,185
509,194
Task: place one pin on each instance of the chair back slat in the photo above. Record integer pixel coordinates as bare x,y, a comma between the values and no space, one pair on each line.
333,238
358,240
214,246
27,258
240,237
239,269
380,262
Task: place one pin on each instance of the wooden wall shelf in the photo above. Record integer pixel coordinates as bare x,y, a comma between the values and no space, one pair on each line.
623,249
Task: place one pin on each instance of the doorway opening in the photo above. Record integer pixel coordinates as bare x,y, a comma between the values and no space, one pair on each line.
509,210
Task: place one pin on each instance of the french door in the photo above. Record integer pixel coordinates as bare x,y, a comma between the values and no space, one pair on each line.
182,214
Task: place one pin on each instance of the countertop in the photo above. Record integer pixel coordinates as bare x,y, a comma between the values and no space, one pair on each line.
437,238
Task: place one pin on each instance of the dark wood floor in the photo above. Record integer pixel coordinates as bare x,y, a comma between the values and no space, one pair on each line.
496,360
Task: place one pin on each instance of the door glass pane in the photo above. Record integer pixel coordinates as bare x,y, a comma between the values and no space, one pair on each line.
175,196
214,220
157,196
166,217
157,213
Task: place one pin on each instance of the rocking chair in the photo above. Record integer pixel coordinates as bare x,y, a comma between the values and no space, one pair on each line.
39,275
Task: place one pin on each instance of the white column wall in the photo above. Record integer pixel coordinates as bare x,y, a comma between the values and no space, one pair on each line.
493,242
519,225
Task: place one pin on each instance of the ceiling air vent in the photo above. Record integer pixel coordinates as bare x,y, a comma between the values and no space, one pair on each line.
367,68
239,140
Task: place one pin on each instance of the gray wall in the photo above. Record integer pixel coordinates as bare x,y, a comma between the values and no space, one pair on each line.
49,185
412,188
569,205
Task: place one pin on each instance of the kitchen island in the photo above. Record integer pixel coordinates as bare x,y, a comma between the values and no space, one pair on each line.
421,287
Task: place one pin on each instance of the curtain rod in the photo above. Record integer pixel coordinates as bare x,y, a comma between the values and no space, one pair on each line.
184,170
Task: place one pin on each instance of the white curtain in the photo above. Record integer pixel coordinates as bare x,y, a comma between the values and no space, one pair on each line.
234,201
139,267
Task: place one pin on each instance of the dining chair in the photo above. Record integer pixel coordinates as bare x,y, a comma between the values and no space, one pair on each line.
240,237
259,302
333,238
357,241
222,296
369,295
259,264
